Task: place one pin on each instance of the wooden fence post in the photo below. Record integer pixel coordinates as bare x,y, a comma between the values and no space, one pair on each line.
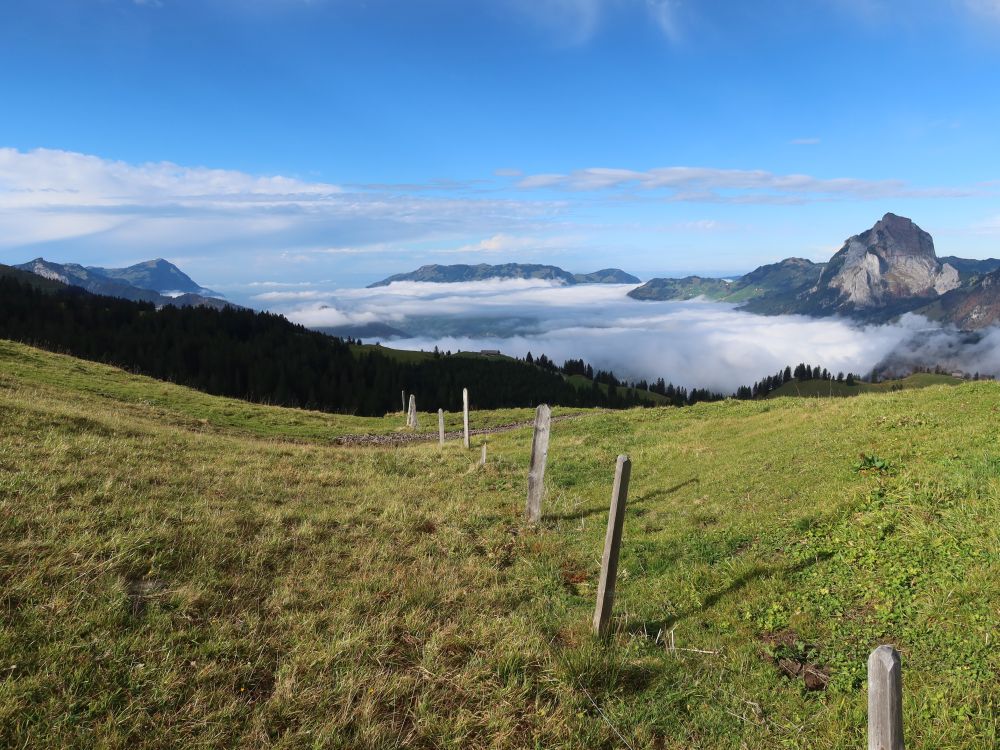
885,700
539,455
440,426
612,545
465,417
411,419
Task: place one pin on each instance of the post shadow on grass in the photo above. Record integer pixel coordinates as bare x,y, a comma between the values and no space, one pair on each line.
597,510
659,494
650,628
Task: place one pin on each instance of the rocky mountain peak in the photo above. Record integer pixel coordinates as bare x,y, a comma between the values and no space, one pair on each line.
893,260
894,234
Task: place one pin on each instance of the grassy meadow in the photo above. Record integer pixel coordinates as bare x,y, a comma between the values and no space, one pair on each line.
827,388
180,570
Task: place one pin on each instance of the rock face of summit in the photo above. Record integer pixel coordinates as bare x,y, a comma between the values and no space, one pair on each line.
972,306
883,272
890,268
457,273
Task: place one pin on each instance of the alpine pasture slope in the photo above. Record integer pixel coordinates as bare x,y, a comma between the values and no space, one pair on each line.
187,571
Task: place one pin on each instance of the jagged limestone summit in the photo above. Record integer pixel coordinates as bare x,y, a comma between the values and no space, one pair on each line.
876,275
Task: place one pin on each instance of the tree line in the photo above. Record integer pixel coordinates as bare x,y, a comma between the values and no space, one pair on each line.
265,358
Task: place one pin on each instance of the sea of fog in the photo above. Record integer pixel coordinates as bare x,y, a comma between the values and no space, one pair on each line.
692,343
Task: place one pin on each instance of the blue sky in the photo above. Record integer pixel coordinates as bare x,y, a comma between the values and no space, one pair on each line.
343,140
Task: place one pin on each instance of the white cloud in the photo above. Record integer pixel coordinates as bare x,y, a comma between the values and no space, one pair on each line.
520,246
691,343
741,185
113,208
805,141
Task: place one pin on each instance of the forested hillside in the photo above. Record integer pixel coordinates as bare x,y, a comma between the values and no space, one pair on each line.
265,358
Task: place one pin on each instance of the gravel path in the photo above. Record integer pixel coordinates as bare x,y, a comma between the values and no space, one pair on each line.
405,438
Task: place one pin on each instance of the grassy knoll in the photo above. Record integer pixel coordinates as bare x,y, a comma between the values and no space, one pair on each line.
166,585
184,407
834,388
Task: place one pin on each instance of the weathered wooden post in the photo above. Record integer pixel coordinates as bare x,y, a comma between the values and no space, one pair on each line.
440,426
482,458
465,416
885,700
404,402
536,472
612,545
411,419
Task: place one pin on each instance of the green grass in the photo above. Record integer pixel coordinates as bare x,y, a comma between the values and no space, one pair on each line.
167,585
582,383
191,409
814,388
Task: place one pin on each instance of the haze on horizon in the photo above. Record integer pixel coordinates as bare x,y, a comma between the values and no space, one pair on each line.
286,142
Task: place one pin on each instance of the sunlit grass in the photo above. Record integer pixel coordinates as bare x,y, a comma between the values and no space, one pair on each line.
176,576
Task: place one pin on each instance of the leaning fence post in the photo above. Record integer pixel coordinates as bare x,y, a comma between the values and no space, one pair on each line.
536,472
612,545
440,426
411,419
465,416
885,700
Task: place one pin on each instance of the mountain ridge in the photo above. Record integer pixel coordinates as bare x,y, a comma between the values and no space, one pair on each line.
114,282
461,272
158,275
877,275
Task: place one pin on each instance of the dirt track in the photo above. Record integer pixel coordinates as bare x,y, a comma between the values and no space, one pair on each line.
404,438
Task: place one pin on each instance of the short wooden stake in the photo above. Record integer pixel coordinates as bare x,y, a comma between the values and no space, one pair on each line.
885,700
482,459
612,545
411,419
539,455
465,417
440,426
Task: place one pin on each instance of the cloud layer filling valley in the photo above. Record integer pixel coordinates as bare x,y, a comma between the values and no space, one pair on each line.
693,343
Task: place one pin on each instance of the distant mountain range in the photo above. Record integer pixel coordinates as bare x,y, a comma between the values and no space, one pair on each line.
481,272
156,281
876,276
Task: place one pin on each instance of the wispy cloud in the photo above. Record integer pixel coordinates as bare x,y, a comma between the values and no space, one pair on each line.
987,8
49,196
805,141
509,244
737,185
576,22
664,14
